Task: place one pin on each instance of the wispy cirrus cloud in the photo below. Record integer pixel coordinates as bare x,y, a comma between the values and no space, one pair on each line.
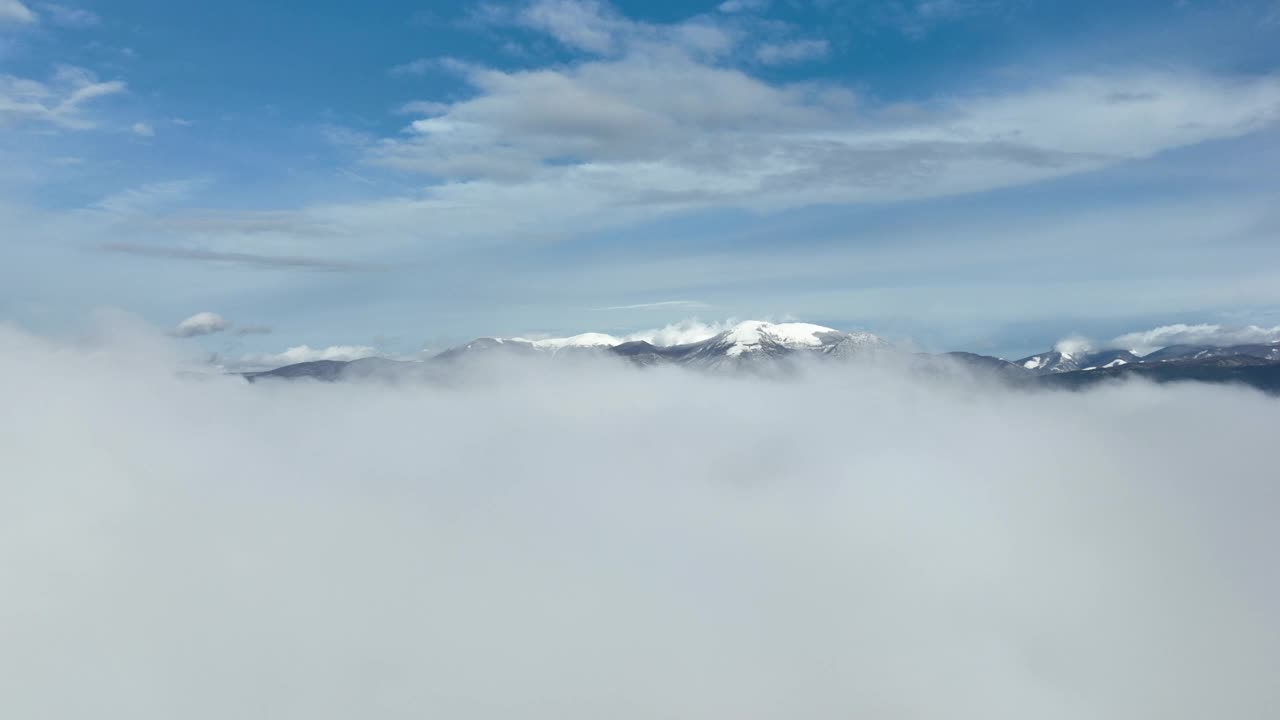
660,305
60,100
792,52
742,6
298,262
14,11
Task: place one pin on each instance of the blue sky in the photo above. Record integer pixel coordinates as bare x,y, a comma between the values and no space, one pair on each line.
962,174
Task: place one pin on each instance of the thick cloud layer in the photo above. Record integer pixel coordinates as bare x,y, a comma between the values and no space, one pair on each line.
608,542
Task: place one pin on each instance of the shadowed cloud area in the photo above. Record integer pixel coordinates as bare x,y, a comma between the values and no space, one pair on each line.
594,541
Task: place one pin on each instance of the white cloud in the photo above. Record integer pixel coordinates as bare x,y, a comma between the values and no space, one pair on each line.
1073,345
682,333
792,52
596,28
13,11
1147,341
601,114
204,323
545,544
583,24
656,127
59,101
656,124
142,129
306,353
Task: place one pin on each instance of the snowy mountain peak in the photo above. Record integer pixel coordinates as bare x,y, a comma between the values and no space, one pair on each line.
749,341
752,335
1059,362
584,340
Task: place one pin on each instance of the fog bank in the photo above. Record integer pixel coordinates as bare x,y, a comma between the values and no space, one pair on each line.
617,543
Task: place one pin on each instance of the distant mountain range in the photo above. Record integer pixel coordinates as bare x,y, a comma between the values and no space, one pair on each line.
763,347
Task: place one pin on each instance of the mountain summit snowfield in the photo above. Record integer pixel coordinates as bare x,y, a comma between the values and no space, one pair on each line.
580,539
755,335
745,336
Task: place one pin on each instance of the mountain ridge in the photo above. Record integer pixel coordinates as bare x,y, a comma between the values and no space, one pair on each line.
759,346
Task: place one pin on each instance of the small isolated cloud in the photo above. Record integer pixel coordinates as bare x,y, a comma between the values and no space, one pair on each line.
204,323
253,330
306,353
12,11
1148,341
142,129
71,17
792,52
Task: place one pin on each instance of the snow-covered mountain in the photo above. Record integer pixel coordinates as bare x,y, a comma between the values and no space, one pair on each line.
1108,359
1056,361
1265,351
759,336
1050,362
754,341
763,347
585,340
745,342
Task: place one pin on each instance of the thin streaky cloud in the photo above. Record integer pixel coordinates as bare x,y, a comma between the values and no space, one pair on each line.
301,262
657,305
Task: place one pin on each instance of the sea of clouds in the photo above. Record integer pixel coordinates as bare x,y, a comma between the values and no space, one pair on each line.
605,542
